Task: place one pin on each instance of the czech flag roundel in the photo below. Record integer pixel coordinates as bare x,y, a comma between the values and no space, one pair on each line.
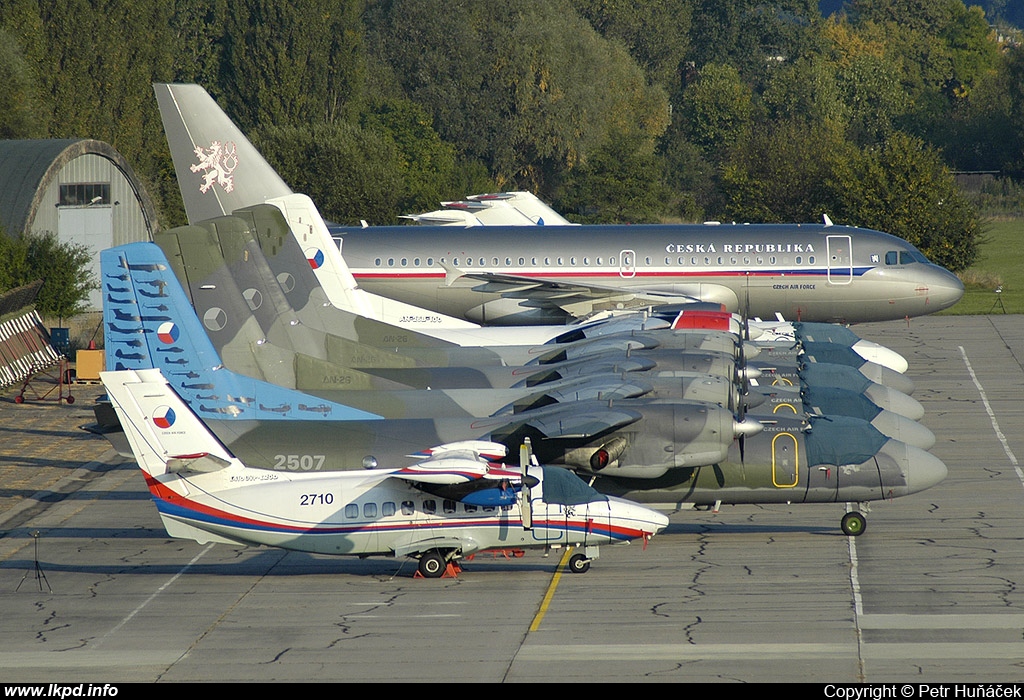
163,417
315,256
167,333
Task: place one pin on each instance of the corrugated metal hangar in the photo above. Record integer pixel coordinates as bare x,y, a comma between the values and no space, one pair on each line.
82,190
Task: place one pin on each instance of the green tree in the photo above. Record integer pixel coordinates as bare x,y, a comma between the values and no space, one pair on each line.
620,183
358,172
783,172
903,187
716,110
63,266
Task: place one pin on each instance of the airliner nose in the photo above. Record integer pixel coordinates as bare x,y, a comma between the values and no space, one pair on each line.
944,289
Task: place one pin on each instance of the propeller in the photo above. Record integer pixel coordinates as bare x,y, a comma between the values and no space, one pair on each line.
525,456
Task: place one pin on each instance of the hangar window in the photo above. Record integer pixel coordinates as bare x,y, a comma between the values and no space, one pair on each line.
84,194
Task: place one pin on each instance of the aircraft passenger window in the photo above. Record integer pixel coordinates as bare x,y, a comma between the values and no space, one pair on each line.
533,261
707,260
470,508
572,260
547,261
586,261
430,506
430,262
693,260
720,260
611,260
522,261
488,509
560,261
483,262
405,262
369,510
351,511
668,260
682,260
760,260
810,259
416,262
799,260
771,260
598,261
408,508
377,262
647,260
391,262
508,261
455,261
448,505
387,509
494,261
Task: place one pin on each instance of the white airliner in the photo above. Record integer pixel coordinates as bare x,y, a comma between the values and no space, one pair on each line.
518,275
455,503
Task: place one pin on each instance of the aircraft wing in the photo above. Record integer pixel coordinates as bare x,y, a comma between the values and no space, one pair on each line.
579,300
575,420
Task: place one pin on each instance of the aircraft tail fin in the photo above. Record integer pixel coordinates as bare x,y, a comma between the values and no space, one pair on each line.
148,322
218,169
164,433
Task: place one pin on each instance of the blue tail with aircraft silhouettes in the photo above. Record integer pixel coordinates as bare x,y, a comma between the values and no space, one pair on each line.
148,321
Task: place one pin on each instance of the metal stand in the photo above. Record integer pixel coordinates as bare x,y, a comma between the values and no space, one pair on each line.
40,576
999,300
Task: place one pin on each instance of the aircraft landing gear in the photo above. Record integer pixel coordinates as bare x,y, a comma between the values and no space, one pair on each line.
854,524
579,564
432,564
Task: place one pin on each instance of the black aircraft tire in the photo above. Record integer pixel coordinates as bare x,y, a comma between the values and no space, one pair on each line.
432,564
854,524
578,564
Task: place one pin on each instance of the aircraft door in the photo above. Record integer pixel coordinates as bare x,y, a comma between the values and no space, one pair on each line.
627,264
785,461
840,260
548,521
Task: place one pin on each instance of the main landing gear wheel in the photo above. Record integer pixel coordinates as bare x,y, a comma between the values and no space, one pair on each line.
432,564
579,564
854,524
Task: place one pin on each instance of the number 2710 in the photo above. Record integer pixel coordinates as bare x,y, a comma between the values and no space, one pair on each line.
316,499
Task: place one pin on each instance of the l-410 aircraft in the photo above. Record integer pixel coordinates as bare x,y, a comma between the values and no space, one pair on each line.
551,274
204,493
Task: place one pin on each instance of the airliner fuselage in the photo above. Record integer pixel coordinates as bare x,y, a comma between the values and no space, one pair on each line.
549,274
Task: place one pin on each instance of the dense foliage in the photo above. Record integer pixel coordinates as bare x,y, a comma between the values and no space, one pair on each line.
611,110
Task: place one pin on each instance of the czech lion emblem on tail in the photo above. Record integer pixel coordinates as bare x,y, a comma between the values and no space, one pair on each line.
218,161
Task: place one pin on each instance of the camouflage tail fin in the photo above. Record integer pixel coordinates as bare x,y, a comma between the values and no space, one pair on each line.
148,322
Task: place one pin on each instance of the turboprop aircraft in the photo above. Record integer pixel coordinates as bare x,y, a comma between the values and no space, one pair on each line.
198,254
147,313
276,428
541,275
454,503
